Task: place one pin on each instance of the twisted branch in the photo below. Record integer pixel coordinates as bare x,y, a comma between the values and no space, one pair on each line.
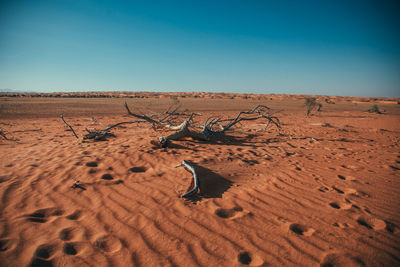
191,169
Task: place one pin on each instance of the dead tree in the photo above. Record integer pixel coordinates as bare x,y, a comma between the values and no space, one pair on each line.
211,129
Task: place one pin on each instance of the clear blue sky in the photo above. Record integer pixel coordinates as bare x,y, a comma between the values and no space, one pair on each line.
338,47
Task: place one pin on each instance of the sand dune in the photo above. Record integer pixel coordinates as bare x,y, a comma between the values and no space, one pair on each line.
325,190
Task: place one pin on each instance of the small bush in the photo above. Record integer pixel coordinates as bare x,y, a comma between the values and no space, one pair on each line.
311,103
374,109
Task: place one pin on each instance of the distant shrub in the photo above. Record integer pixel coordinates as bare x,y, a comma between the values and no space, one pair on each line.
311,103
374,109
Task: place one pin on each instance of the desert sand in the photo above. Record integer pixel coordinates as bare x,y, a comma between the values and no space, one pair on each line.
322,191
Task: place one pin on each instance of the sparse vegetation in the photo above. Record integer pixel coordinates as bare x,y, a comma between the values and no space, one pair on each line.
311,103
375,109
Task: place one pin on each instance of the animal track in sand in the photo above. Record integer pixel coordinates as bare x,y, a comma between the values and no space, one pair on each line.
324,189
244,258
371,222
91,164
108,243
75,215
338,190
300,229
343,206
45,251
42,215
230,213
42,256
248,259
70,249
341,259
347,178
390,227
7,244
138,169
354,192
70,233
107,176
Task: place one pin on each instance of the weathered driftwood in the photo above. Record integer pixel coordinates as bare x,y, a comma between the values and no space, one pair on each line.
212,127
191,169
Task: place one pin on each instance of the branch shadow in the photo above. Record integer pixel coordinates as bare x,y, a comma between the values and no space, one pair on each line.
211,184
226,140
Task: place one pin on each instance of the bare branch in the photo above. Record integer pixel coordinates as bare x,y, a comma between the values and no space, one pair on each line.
120,123
191,169
62,117
159,123
143,117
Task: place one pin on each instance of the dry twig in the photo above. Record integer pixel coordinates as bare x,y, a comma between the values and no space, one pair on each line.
62,117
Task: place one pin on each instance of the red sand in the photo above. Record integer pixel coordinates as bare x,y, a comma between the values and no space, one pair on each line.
325,190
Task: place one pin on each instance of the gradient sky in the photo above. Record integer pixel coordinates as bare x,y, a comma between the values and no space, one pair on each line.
322,47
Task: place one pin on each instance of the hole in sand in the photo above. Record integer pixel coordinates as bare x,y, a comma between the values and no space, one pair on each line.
323,189
371,223
44,251
301,229
57,212
390,227
5,244
224,213
37,220
70,249
40,263
38,214
138,169
75,215
238,209
66,234
338,190
244,258
91,164
107,176
343,206
341,177
334,205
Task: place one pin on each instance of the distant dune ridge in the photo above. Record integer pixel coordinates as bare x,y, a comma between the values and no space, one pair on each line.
138,94
322,191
